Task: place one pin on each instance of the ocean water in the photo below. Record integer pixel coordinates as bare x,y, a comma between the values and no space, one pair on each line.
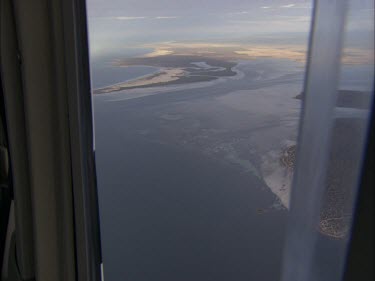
180,192
181,188
170,214
110,75
105,73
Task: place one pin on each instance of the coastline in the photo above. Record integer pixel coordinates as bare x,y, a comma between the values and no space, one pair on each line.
334,222
156,89
173,69
277,171
335,215
163,76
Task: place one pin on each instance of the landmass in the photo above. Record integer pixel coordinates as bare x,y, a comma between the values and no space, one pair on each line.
344,157
349,99
182,63
174,69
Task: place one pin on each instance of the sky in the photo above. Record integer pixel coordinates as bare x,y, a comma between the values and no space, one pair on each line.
116,24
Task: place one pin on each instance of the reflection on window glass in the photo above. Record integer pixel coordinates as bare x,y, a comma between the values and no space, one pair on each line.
196,114
351,116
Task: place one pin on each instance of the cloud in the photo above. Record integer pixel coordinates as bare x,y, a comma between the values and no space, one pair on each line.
165,17
159,52
129,18
295,18
265,7
288,6
292,52
272,24
240,13
142,18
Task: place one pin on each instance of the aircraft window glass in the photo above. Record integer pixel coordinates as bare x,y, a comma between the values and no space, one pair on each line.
348,136
196,109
